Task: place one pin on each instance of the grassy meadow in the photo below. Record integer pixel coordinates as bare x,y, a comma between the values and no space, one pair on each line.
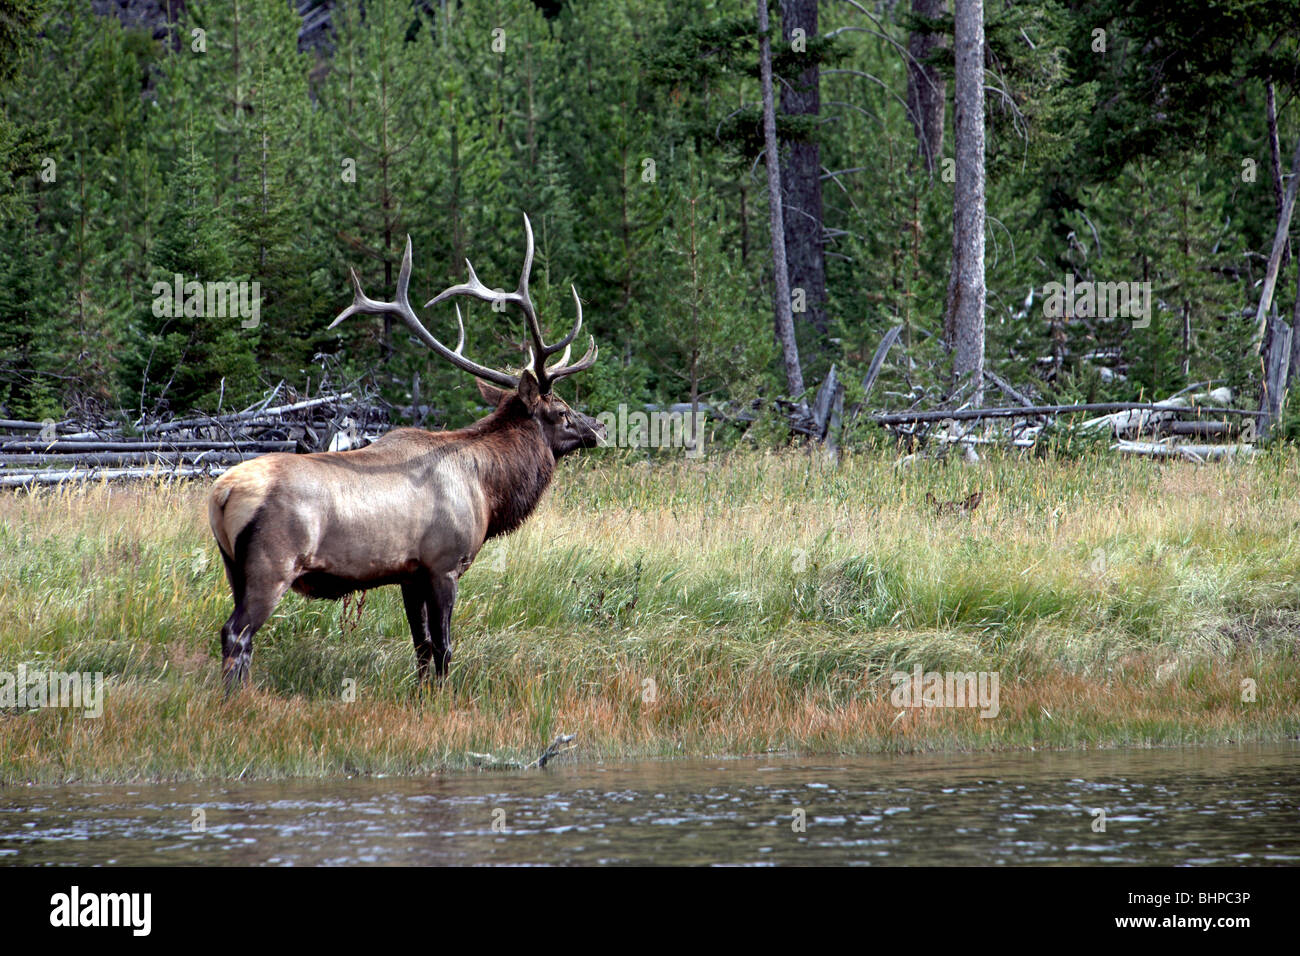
739,604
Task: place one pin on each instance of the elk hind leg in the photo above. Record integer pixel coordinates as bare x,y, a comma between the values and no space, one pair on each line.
254,601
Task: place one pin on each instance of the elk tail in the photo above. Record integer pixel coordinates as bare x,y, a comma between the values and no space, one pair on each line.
236,499
217,518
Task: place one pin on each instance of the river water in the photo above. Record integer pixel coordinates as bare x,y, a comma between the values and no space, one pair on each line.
1204,806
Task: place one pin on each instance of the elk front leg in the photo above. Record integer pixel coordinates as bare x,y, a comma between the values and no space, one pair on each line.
417,595
429,600
444,598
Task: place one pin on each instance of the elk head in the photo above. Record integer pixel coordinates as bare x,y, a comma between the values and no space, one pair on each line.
565,429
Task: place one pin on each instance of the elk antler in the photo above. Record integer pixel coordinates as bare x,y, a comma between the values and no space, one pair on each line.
540,351
361,303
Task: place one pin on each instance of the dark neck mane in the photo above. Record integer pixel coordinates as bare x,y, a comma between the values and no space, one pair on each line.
514,462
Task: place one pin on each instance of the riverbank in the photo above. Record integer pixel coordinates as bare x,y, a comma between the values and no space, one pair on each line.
740,604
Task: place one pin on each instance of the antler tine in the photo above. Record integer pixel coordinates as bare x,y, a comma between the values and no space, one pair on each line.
540,351
460,341
475,289
577,324
564,359
567,341
404,278
534,327
528,259
562,367
361,303
586,362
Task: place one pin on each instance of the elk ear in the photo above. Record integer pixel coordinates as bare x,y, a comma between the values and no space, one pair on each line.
491,394
529,391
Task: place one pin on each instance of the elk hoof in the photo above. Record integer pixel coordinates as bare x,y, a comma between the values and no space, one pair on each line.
234,673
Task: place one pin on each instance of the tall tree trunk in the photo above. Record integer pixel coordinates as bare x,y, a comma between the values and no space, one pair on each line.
1293,367
801,182
1275,336
926,89
1275,158
965,332
780,275
1279,244
1275,161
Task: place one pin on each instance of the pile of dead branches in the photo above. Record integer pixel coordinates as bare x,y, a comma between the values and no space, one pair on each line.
1191,425
50,452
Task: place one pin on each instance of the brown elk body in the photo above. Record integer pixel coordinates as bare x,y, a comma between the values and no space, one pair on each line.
412,509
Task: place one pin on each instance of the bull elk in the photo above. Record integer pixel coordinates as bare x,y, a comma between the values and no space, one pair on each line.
415,507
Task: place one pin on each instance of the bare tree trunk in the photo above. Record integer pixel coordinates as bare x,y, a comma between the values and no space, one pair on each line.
966,287
801,181
1275,158
1279,199
695,327
1277,353
1276,338
1293,367
780,276
927,92
1279,244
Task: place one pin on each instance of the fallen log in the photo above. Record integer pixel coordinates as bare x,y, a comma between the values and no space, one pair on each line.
17,425
83,447
967,414
108,474
224,456
257,415
968,439
1202,429
1131,423
1199,453
1007,389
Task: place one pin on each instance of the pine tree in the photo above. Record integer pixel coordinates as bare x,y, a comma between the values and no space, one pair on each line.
709,346
90,197
33,369
191,361
273,213
378,160
20,142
